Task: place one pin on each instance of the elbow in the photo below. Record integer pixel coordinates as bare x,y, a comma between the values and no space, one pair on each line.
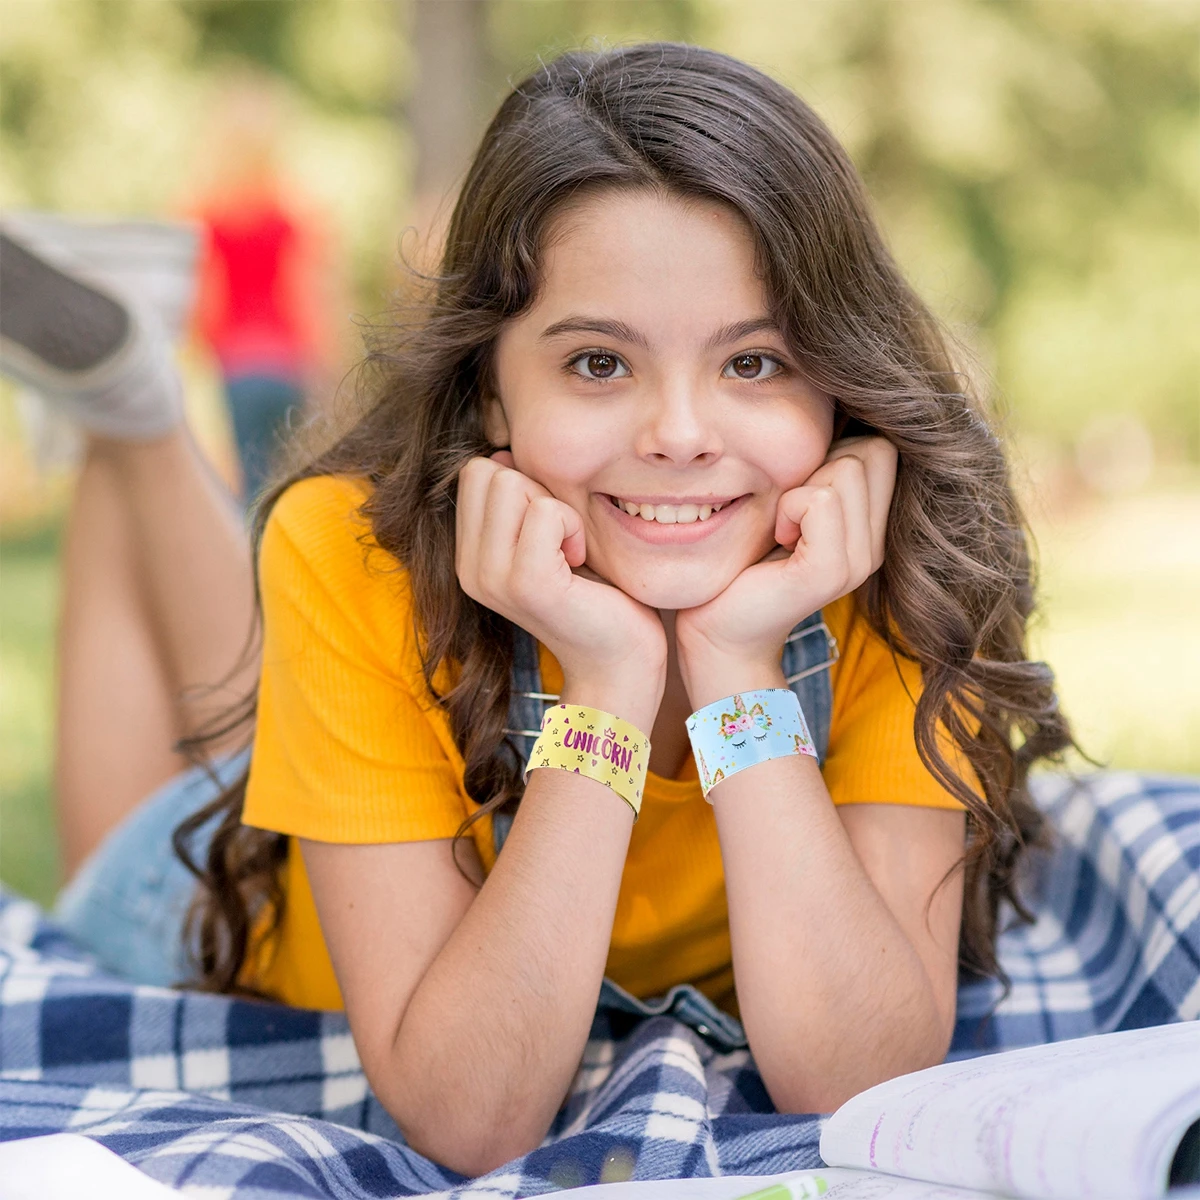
804,1083
454,1133
469,1152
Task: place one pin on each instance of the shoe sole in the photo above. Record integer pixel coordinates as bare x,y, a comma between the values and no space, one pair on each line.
58,321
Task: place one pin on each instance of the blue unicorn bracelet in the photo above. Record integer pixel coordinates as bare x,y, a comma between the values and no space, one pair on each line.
730,735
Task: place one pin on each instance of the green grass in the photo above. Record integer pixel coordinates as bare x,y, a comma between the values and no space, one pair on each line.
1120,598
29,580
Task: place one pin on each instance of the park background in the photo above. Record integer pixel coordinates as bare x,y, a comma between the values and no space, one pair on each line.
1034,165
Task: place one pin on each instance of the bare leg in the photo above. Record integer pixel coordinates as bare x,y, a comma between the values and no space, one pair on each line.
158,606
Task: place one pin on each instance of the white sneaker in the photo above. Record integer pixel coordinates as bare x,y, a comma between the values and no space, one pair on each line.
84,336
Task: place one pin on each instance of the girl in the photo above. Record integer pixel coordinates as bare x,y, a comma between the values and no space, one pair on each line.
668,446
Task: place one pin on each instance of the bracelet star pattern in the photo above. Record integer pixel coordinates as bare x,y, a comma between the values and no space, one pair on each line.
594,743
747,728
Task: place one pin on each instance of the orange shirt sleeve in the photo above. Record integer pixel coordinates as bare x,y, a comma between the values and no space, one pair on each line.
872,755
344,751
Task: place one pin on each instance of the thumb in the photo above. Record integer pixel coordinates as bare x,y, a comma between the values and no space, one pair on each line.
574,547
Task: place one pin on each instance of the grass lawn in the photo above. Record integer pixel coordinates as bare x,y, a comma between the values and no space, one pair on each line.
28,606
1120,597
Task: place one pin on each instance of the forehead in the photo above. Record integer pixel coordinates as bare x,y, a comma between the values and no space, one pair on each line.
651,259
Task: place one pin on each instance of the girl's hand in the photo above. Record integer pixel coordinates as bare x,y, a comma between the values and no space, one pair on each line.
831,539
520,552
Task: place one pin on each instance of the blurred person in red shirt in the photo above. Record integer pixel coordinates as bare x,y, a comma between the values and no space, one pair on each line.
267,284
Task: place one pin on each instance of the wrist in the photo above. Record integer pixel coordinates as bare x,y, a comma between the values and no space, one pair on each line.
715,677
632,695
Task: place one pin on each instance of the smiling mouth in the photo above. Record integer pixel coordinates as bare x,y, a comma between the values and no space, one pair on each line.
669,514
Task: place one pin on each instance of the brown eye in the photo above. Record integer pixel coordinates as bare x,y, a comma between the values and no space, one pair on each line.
599,365
752,366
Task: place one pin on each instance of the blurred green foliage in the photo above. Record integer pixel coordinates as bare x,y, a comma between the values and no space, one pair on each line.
1033,161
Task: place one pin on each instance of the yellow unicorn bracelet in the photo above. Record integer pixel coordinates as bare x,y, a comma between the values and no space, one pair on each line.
594,743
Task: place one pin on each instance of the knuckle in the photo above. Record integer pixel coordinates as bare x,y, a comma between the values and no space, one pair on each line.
473,470
543,506
505,483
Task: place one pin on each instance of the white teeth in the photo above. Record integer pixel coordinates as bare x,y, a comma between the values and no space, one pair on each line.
670,514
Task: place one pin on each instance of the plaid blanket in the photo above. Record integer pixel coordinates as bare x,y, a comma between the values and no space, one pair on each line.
244,1100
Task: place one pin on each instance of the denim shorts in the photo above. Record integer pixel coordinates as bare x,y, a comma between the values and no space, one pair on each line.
128,901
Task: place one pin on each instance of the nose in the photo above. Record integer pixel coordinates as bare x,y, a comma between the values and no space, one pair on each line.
678,426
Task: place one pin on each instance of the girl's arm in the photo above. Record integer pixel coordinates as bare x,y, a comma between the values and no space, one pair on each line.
470,1009
843,979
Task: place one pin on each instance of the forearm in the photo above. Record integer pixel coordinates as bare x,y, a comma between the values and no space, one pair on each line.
833,994
494,1033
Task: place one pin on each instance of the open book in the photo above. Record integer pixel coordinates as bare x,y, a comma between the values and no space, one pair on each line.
1112,1117
1116,1115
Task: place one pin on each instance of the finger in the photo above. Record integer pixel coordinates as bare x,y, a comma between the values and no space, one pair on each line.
509,495
879,458
818,567
848,478
816,514
504,458
882,461
473,480
549,527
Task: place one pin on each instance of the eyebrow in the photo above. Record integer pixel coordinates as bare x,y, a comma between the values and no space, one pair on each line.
737,330
601,325
623,332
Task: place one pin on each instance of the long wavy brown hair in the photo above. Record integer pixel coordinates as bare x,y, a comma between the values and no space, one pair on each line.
955,591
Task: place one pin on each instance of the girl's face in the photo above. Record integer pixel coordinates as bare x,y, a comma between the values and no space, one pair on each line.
648,388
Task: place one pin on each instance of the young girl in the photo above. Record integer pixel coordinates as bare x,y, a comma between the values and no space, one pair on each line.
673,458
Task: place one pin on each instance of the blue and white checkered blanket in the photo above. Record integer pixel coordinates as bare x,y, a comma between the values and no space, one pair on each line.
244,1100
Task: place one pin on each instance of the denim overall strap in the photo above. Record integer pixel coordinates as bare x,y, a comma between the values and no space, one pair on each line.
526,704
808,653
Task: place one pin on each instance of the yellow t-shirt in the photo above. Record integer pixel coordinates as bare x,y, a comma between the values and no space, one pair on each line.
351,748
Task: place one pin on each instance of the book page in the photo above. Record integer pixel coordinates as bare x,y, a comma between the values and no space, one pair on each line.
830,1183
1097,1117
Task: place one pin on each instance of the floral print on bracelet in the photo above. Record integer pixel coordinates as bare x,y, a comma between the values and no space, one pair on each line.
747,728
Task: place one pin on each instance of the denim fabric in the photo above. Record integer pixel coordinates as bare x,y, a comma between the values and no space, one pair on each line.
260,407
127,903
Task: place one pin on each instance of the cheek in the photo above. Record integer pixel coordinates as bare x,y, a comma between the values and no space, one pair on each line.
788,452
560,455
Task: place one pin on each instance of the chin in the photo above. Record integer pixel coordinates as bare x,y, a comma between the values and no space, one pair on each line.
673,593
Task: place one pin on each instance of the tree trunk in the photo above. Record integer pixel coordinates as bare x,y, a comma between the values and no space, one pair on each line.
444,109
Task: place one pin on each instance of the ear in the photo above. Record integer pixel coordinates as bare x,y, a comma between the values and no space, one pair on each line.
495,423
